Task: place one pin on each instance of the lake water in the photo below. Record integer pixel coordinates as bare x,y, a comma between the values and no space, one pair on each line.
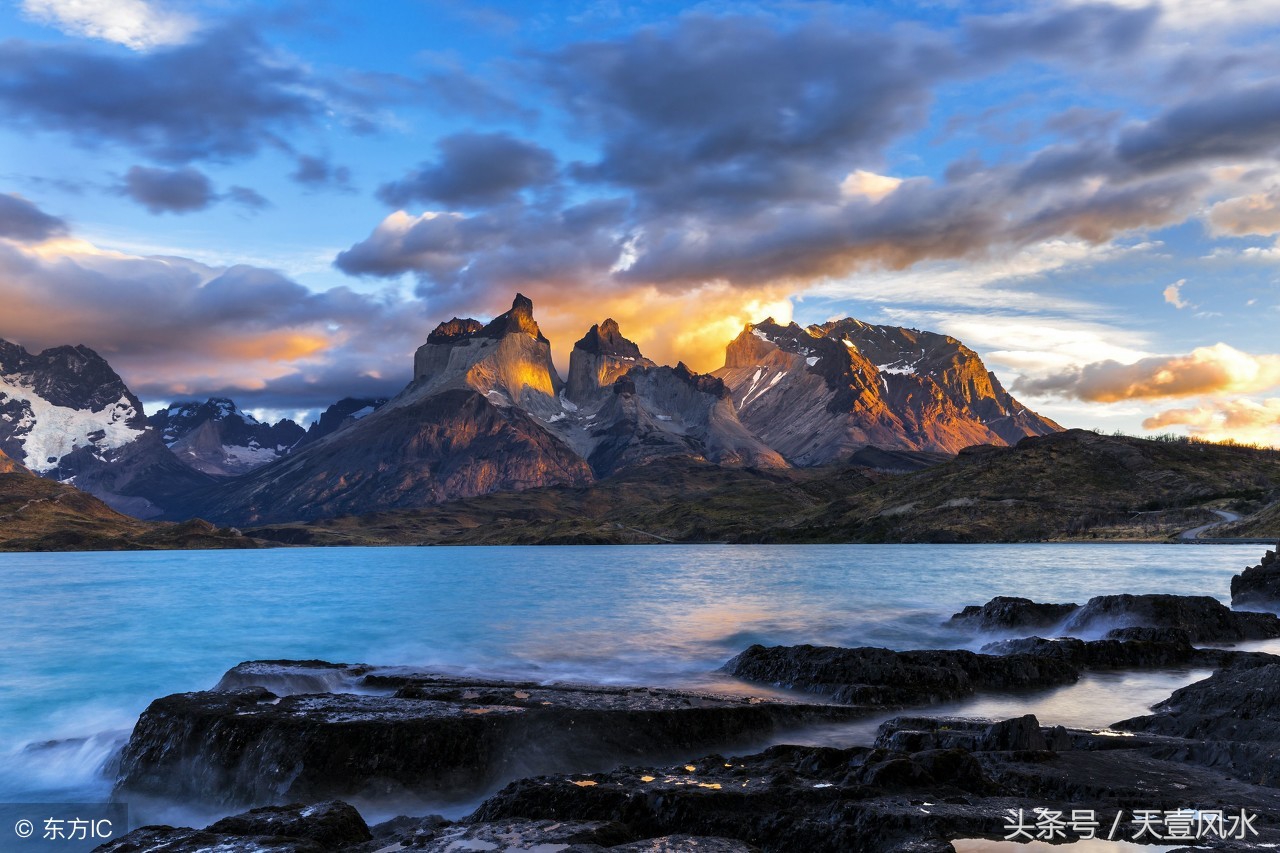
87,640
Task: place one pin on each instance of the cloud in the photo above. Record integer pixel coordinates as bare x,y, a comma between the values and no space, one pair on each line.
318,172
248,198
222,96
175,327
1219,369
1244,420
1173,295
1258,214
136,24
169,190
868,184
21,220
474,169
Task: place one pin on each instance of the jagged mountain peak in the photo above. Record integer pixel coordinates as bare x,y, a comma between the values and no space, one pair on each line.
606,339
819,393
455,329
598,361
508,360
518,319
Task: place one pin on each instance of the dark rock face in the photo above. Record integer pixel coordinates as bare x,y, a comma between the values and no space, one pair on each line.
1006,613
430,736
1258,586
1205,619
887,679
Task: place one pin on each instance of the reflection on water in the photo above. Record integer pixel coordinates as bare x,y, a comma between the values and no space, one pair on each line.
87,640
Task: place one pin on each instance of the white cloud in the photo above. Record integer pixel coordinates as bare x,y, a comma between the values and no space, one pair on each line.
136,24
869,185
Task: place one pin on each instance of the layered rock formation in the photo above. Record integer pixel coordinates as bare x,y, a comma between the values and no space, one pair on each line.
819,394
424,735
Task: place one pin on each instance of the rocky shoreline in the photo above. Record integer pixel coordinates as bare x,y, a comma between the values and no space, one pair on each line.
587,768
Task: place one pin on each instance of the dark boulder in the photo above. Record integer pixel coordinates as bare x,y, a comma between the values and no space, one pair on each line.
1007,613
888,679
1205,619
1258,586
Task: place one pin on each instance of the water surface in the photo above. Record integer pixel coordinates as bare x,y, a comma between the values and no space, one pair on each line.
87,640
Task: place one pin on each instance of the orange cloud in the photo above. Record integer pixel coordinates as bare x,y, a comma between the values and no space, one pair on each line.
1243,420
1219,369
1251,214
273,346
693,327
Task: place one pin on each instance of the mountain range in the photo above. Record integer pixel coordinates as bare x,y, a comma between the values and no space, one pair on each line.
488,412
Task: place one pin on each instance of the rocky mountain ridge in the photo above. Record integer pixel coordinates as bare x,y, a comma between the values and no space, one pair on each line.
488,412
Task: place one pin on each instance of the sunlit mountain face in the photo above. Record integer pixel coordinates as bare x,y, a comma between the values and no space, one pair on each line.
276,206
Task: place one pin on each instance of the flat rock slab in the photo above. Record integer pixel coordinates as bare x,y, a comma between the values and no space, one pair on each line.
888,679
415,735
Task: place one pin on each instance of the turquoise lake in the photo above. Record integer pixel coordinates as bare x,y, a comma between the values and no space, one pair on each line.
87,640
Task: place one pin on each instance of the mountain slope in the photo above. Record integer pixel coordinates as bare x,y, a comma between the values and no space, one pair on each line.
61,399
817,395
38,514
472,421
216,438
68,416
1074,485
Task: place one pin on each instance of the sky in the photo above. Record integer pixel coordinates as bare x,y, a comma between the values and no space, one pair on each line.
277,202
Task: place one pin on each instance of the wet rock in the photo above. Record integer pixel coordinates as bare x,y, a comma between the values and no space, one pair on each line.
1230,720
279,829
311,829
1258,586
889,679
424,736
880,799
916,734
1205,619
1007,613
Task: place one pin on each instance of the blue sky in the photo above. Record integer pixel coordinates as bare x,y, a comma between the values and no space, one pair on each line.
278,201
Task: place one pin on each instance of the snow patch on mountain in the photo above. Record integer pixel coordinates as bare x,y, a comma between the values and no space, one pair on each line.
48,432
